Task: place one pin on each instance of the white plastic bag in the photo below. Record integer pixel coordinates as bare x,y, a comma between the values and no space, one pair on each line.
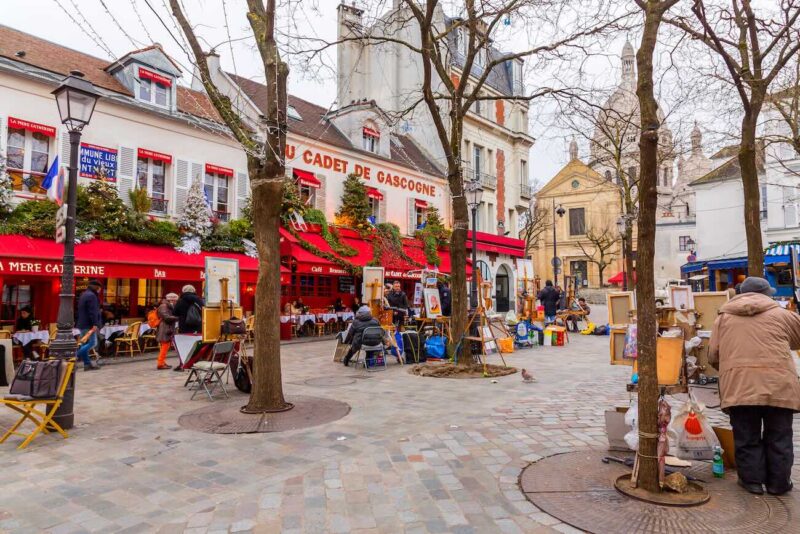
632,420
695,437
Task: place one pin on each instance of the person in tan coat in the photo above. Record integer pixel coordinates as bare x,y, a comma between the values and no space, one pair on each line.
752,347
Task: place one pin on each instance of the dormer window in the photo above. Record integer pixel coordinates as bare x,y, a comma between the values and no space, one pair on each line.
154,88
292,112
370,139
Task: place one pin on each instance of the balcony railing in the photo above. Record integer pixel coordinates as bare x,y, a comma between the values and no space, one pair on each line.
526,191
159,205
487,180
222,216
26,181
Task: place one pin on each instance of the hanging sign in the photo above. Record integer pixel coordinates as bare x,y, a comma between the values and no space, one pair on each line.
152,154
22,124
216,169
97,161
145,74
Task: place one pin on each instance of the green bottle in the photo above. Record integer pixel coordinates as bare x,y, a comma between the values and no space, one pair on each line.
718,468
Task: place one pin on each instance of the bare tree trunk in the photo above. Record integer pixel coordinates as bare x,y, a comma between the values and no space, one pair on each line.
645,286
630,278
752,196
458,259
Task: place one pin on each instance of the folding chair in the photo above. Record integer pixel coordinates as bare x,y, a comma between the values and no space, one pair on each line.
208,374
372,341
42,418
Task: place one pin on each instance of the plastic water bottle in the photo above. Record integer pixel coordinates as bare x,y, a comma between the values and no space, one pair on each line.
718,467
635,378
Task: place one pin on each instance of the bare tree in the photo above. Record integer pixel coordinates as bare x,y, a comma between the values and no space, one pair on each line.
653,11
534,222
785,100
600,249
265,164
754,48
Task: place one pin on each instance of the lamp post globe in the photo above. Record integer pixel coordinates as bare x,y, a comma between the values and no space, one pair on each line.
76,99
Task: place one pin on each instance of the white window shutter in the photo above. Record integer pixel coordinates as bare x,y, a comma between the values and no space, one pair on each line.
382,209
319,196
3,134
182,181
63,154
288,171
242,192
126,169
412,219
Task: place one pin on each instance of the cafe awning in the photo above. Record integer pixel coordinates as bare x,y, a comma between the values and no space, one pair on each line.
306,178
374,193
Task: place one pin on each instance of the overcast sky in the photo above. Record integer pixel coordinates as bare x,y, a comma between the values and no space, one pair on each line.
87,25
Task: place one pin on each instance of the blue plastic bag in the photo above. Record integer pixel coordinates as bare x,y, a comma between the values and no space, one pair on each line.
434,347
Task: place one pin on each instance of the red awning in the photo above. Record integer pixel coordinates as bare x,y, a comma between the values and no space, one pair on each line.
146,74
372,133
306,178
374,193
22,255
497,244
420,203
216,169
619,278
152,154
49,131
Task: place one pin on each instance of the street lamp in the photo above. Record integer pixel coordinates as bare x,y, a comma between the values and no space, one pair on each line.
622,227
474,196
556,260
76,99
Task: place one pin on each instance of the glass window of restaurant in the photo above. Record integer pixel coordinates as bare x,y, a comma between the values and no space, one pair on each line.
216,190
151,175
374,208
149,295
27,159
15,296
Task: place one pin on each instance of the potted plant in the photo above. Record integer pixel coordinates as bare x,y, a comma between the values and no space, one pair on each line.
35,325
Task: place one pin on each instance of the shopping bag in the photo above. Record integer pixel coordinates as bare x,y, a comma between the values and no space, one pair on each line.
434,347
631,350
632,420
695,439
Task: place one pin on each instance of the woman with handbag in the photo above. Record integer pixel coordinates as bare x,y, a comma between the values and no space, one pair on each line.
165,331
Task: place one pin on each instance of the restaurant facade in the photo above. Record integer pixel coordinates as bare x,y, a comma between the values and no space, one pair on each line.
150,133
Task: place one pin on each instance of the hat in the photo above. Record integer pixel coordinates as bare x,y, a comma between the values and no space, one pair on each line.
188,288
755,284
95,283
171,296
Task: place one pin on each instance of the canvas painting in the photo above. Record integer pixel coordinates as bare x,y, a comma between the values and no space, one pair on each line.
433,302
680,297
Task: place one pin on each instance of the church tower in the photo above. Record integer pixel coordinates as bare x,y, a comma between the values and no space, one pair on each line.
628,67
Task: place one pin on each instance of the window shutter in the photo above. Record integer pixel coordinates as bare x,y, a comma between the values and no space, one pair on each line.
789,208
182,181
3,135
288,171
242,192
412,219
382,209
64,152
319,196
126,166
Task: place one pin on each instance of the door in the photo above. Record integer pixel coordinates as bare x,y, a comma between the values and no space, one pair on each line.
580,270
502,287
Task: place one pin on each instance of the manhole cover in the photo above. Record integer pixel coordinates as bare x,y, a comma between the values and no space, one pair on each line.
329,381
578,489
224,417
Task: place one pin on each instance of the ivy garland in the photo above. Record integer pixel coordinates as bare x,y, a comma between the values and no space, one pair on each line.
387,242
344,264
330,235
432,236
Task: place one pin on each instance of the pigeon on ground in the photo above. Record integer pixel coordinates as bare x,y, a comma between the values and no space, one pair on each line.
526,376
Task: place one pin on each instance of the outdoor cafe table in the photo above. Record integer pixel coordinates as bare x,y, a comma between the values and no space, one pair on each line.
26,337
344,316
109,329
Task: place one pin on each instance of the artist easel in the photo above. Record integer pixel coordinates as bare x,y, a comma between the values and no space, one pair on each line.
529,298
440,323
484,324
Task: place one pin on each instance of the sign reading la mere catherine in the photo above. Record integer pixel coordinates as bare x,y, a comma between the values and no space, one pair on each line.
336,164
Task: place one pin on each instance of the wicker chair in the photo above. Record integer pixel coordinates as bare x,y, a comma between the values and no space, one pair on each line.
129,341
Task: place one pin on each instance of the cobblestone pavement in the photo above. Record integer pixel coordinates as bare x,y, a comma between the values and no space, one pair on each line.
414,454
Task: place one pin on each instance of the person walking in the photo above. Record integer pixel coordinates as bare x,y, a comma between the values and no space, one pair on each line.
549,297
751,345
189,310
89,323
165,332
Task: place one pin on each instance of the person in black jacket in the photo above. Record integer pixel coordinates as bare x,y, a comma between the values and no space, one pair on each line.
447,298
398,301
549,297
187,321
89,323
355,335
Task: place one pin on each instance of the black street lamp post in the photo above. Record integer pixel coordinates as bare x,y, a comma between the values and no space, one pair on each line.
76,99
556,261
474,196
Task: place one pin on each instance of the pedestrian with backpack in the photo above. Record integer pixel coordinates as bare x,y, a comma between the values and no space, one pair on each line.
165,329
189,310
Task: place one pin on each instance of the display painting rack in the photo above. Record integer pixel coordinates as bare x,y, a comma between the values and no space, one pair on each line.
485,338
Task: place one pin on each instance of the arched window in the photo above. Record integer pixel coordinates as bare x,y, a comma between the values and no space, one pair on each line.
483,268
608,176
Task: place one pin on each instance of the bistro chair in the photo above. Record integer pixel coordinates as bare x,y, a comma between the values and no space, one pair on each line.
42,418
5,334
208,374
129,341
372,342
148,340
250,325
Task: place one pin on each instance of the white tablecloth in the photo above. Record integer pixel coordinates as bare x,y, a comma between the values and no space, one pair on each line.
328,317
344,316
27,337
109,329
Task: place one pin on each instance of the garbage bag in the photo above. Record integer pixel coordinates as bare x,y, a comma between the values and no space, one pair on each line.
695,437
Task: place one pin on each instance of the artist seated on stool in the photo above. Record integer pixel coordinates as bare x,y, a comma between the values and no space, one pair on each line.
572,320
362,321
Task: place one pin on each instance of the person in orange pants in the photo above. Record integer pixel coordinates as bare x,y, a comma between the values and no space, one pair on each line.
166,328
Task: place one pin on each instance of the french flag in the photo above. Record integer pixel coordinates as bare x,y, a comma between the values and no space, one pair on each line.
54,183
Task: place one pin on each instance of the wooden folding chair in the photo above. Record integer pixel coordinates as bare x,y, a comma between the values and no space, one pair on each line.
42,418
129,340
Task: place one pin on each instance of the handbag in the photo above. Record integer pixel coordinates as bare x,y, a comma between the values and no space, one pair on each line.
234,326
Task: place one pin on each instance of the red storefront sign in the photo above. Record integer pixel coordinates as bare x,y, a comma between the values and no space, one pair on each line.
152,154
146,74
216,169
43,129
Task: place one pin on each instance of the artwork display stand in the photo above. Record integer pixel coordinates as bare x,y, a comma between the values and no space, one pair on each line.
485,337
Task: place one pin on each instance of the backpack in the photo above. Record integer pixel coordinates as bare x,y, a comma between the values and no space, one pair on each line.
152,318
194,315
